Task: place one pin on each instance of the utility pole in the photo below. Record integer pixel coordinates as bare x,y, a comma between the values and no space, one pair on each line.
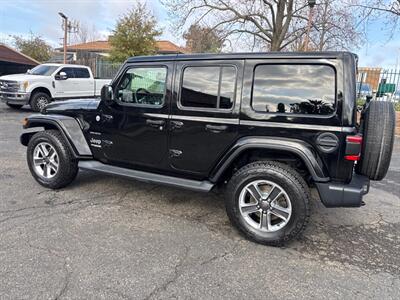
68,27
65,26
311,4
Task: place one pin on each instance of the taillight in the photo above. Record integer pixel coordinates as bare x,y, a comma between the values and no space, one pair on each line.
352,157
354,139
353,147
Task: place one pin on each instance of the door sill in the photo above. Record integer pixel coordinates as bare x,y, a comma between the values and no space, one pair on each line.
199,186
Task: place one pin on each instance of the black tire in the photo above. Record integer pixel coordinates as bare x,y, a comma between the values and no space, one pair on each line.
14,106
378,128
39,100
291,182
67,164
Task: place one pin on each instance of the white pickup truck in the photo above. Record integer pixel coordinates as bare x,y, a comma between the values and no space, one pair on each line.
48,82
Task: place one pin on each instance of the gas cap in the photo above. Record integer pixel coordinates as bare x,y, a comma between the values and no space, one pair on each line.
327,142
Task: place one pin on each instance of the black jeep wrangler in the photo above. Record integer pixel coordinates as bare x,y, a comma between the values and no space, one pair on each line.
264,126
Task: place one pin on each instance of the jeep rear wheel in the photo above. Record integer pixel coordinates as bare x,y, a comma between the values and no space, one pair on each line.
50,160
268,202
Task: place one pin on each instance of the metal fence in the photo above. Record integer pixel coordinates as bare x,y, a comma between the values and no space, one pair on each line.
384,84
101,68
105,69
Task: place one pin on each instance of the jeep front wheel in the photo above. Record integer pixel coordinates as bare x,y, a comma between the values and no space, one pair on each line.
50,159
268,202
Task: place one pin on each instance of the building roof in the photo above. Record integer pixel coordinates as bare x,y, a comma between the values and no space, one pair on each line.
9,54
104,46
169,47
90,46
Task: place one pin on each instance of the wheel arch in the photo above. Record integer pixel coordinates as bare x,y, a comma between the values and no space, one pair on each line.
40,89
68,126
288,149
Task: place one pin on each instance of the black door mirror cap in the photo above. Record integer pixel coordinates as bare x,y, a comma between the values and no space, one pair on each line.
107,94
61,76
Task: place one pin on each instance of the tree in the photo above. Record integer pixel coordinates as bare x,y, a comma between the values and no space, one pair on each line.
267,21
33,46
202,39
391,7
86,34
272,24
134,34
333,28
371,10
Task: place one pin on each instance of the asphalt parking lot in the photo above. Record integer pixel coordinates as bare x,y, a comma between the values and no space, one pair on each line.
110,238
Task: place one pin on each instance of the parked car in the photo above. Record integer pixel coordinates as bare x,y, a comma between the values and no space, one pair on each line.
363,90
48,82
264,127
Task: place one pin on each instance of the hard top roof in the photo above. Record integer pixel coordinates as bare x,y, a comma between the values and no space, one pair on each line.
240,55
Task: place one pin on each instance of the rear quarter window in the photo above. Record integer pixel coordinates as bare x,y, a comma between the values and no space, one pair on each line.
81,73
294,89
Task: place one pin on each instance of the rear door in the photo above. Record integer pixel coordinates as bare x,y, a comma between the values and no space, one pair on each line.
204,114
84,83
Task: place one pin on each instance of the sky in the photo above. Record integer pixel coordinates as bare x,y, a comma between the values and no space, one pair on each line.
19,17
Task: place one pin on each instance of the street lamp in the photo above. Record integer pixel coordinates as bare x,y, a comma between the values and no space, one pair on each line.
311,4
65,21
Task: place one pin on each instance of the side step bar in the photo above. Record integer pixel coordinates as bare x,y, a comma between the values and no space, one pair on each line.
93,165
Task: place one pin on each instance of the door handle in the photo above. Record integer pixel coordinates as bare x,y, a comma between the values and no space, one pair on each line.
105,117
176,124
216,128
155,123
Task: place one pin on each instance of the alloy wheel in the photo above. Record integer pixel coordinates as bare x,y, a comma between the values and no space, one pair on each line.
265,205
42,102
45,160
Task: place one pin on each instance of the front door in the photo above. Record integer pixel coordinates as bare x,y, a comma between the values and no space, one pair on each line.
66,88
132,129
205,114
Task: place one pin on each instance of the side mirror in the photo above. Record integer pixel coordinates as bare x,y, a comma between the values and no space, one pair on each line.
61,76
107,94
28,71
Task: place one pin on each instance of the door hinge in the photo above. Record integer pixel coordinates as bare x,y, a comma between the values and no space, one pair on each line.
174,153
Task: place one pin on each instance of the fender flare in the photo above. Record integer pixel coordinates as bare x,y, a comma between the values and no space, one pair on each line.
297,147
68,126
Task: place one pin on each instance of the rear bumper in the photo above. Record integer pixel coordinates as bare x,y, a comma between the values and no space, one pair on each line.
15,98
334,194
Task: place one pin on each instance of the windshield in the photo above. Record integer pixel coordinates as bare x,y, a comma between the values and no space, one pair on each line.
45,70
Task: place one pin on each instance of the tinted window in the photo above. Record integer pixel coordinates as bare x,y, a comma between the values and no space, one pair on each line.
208,87
143,86
299,89
81,73
227,89
68,71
